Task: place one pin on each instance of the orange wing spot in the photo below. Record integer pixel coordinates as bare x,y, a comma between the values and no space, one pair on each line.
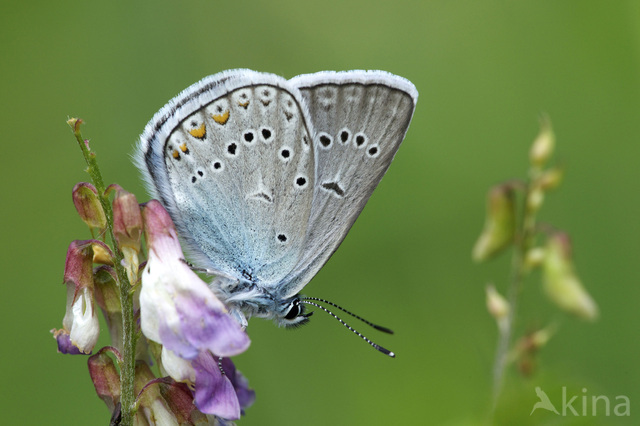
175,154
244,105
221,118
199,132
184,148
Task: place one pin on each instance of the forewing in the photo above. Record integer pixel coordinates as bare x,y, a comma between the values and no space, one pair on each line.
360,119
231,160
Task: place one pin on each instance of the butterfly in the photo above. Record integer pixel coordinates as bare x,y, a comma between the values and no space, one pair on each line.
263,176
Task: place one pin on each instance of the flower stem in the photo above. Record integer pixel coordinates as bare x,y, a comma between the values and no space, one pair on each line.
127,363
522,244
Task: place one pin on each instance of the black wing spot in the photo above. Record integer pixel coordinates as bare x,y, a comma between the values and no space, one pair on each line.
200,173
193,179
335,187
231,148
217,165
360,140
249,136
266,133
282,238
301,181
325,140
373,151
344,136
285,153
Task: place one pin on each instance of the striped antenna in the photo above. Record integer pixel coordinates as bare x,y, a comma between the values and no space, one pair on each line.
308,301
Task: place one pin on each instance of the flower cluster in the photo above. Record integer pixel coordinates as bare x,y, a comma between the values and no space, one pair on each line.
534,245
159,314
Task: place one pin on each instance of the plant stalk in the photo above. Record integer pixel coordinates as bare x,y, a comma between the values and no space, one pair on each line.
522,244
127,364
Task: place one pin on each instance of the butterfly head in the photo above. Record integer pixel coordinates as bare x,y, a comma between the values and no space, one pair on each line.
293,315
246,300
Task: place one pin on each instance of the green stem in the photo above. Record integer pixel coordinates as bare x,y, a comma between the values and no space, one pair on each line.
522,245
127,364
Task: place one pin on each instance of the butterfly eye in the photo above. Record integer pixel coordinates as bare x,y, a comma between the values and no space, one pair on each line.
294,311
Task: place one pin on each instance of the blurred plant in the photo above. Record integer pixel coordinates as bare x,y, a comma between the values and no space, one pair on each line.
510,225
154,309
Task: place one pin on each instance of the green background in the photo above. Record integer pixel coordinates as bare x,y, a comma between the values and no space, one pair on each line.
485,71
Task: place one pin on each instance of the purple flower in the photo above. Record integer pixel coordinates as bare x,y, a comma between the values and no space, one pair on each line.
246,396
220,389
177,308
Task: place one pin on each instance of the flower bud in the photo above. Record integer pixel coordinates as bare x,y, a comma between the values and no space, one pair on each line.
535,198
152,408
163,400
527,347
550,179
497,305
105,377
107,296
534,258
87,202
561,283
80,321
127,220
542,147
500,223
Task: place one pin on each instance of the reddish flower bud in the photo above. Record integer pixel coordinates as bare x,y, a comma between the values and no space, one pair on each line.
127,220
105,377
80,322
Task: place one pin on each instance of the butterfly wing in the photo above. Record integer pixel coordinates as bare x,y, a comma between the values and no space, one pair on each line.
360,118
231,160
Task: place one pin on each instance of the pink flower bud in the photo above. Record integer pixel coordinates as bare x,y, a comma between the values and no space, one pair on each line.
127,220
105,377
80,322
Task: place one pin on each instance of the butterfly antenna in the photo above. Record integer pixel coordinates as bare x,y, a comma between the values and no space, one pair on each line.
307,300
376,326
